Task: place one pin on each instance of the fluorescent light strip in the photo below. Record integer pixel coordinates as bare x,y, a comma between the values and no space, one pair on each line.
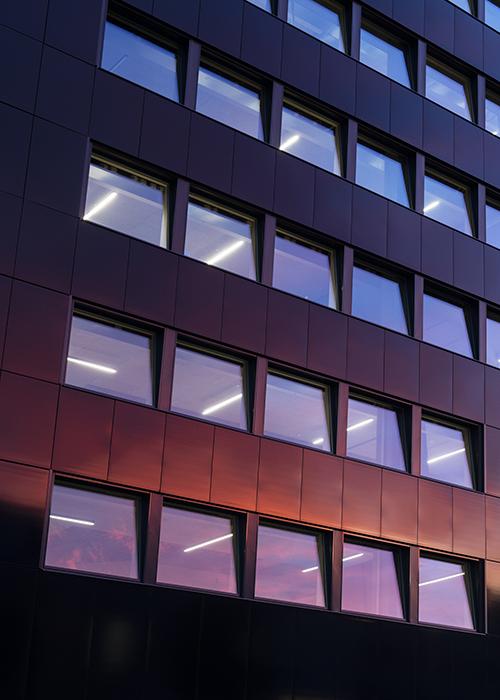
445,456
92,365
311,568
443,578
77,521
289,142
208,542
320,441
432,205
224,253
354,556
221,404
360,425
100,205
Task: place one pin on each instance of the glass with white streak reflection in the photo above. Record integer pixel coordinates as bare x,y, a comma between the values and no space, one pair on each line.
447,204
310,139
374,435
447,92
317,19
380,173
443,596
444,454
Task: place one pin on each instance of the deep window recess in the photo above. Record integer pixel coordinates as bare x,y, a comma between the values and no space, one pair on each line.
378,298
319,18
381,173
492,14
446,452
445,592
309,137
448,89
447,324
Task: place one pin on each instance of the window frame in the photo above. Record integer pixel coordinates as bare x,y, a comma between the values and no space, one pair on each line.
459,76
401,155
471,315
493,96
378,29
492,201
468,189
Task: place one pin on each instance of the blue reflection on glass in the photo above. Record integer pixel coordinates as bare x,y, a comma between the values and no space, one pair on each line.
378,299
318,20
493,342
381,174
373,434
263,4
444,455
446,204
492,117
493,225
310,140
446,91
492,14
445,325
383,57
463,4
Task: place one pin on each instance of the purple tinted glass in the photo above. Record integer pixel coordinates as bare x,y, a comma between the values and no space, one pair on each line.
493,342
444,454
208,387
92,532
288,567
197,550
380,173
309,139
373,435
370,582
445,325
378,299
443,598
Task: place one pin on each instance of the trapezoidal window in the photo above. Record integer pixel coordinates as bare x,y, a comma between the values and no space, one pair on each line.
446,453
384,54
381,173
379,299
319,18
445,592
446,324
310,138
448,89
448,202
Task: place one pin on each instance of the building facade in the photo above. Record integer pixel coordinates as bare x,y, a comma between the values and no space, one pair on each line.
250,349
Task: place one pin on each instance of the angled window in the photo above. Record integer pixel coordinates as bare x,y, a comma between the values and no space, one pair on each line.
492,14
446,452
493,224
197,549
463,4
209,386
141,61
127,202
446,325
93,531
445,592
289,566
229,101
112,358
493,339
379,299
370,580
305,270
297,411
381,173
448,89
375,433
447,202
310,138
384,54
319,18
220,237
492,113
263,4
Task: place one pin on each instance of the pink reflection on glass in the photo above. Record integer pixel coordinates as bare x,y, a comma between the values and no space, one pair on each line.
288,567
369,581
443,597
196,550
92,532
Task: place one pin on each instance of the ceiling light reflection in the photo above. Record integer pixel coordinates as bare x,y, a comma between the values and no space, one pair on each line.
311,568
432,205
361,424
224,253
433,460
100,205
318,441
92,365
353,556
443,578
221,404
76,521
208,542
289,142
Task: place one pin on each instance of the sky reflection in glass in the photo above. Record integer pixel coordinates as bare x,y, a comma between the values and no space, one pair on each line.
443,598
444,455
445,325
384,57
373,434
381,174
309,139
378,299
318,20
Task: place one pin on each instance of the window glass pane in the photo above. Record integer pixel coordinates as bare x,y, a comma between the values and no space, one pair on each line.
492,14
492,117
197,550
446,204
318,20
378,299
444,454
140,61
209,387
309,139
264,4
221,239
107,358
464,4
124,203
370,582
288,567
493,342
296,412
380,173
384,57
373,434
229,102
92,532
445,325
303,270
447,92
493,226
442,594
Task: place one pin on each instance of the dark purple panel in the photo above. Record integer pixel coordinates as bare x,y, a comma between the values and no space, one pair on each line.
327,342
492,572
321,497
337,81
253,171
468,147
164,133
435,515
10,215
468,264
491,159
57,167
199,298
211,147
365,354
27,419
137,446
100,265
46,247
5,292
491,276
399,506
36,332
187,460
373,97
409,14
469,523
14,145
492,396
406,115
468,39
468,388
234,469
244,314
65,90
280,478
300,61
436,377
180,14
286,336
404,236
151,295
22,55
362,498
220,24
83,433
437,250
369,221
439,26
75,27
27,17
117,112
492,460
333,205
261,42
491,52
438,131
294,189
492,530
401,366
384,6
